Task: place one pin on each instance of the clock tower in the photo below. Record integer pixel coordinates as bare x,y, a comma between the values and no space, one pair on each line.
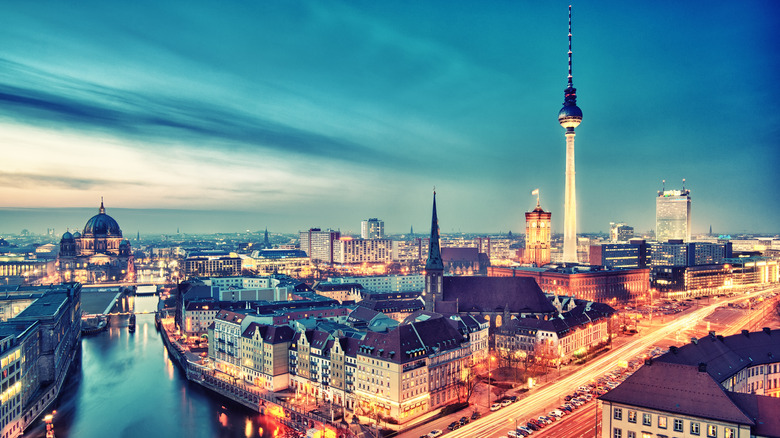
537,235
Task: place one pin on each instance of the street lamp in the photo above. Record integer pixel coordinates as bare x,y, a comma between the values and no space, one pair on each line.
490,383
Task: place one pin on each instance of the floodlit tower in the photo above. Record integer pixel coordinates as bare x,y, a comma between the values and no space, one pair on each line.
537,234
673,214
570,117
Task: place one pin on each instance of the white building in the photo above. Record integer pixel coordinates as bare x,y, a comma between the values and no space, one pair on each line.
673,215
372,229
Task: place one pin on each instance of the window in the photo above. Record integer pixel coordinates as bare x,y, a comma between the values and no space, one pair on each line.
712,431
618,414
632,416
631,434
617,433
678,425
661,422
729,433
694,428
647,419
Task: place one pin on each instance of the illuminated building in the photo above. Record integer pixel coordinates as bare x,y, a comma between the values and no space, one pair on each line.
21,269
713,387
212,264
347,250
265,355
372,229
538,236
673,215
318,244
385,284
283,261
97,255
620,255
570,117
753,270
592,283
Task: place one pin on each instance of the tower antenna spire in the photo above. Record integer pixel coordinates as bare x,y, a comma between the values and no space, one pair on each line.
570,76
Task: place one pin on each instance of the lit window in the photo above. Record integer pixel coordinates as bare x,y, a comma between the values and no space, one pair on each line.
712,431
662,422
632,416
694,428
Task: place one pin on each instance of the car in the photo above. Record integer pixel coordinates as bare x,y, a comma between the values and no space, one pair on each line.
568,397
434,433
464,420
495,407
506,402
475,415
454,425
527,430
557,412
513,398
513,434
532,426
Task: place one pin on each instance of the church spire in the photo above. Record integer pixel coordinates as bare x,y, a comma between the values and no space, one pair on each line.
434,248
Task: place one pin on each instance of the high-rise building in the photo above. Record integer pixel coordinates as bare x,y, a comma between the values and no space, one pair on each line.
372,228
318,244
570,117
673,215
620,232
537,236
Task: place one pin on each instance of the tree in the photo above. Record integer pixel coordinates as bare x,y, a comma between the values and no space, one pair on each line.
468,381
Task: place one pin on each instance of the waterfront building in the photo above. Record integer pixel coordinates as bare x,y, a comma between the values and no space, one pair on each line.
99,254
620,232
372,229
570,117
347,250
673,215
538,236
633,254
755,270
37,348
318,245
212,264
24,269
590,283
224,337
265,355
715,386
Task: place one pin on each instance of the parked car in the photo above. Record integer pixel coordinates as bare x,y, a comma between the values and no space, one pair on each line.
506,402
527,431
495,407
454,425
532,426
464,420
513,398
475,415
434,433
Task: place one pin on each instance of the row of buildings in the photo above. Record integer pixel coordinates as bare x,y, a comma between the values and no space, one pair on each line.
37,347
714,387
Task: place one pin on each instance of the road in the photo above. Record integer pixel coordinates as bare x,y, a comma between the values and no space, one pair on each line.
541,400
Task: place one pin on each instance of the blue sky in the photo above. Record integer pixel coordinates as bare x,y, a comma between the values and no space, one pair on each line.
290,115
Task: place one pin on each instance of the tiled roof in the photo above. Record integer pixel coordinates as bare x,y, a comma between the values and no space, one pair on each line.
489,294
763,410
390,306
410,342
725,356
450,254
677,389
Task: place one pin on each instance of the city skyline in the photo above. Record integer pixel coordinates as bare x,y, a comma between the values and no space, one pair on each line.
323,115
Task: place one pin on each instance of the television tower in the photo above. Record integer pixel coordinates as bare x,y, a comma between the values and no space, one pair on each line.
570,117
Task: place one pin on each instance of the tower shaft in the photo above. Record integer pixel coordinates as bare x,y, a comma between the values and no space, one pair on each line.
570,204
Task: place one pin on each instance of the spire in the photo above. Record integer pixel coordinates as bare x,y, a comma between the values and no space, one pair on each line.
570,94
102,209
570,76
434,250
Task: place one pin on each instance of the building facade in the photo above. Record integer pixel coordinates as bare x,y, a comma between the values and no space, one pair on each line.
538,236
372,229
673,215
318,245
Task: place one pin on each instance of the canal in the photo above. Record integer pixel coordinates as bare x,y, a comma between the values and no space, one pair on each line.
126,386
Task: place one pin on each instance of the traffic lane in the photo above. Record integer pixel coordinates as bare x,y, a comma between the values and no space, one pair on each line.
580,423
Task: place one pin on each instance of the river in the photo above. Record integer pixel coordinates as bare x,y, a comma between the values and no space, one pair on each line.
126,386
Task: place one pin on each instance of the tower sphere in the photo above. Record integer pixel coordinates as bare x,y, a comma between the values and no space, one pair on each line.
570,116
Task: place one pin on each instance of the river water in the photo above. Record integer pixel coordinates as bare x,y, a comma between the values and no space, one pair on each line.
126,386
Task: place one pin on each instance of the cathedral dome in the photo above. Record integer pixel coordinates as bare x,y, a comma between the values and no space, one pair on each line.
67,236
102,224
76,235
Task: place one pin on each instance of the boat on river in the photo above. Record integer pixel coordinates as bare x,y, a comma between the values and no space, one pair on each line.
131,324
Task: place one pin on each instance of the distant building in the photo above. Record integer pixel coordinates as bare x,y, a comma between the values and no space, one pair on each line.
620,232
673,215
372,229
318,244
386,283
283,261
676,252
22,269
98,255
620,255
538,236
212,264
347,250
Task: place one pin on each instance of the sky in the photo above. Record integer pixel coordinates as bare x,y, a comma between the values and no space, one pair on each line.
289,115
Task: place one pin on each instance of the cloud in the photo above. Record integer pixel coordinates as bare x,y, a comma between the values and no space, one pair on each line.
29,180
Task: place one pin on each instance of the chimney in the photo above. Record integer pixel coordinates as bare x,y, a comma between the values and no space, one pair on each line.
712,334
767,330
648,361
746,333
695,341
673,349
702,367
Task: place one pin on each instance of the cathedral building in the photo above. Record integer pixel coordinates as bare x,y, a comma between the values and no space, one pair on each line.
98,255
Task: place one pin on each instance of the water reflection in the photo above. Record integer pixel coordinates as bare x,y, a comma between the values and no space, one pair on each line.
123,389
